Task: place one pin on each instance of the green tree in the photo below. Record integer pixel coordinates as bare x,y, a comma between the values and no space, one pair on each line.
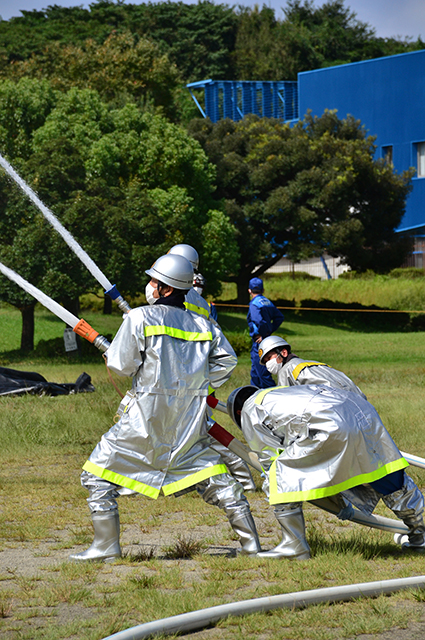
121,69
126,184
307,38
304,190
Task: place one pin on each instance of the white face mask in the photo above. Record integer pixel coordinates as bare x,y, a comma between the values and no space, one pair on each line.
198,290
274,366
149,289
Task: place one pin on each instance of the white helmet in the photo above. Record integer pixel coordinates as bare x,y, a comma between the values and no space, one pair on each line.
175,271
187,252
236,401
272,343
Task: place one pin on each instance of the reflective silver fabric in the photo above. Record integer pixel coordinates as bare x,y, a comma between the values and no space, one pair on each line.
408,505
106,544
314,373
315,441
293,543
195,303
237,467
161,439
227,494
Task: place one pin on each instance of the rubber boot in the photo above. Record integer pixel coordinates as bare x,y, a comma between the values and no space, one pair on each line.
106,544
408,505
243,525
293,544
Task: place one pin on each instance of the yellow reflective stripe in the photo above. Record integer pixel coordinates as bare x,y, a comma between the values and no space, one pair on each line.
315,494
190,336
200,310
188,481
260,396
122,481
296,372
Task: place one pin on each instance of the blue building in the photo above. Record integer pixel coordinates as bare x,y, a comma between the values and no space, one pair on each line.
386,94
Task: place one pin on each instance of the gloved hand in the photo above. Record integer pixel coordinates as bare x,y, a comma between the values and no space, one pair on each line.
346,513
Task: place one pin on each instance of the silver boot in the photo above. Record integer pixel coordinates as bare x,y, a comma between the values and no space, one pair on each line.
242,523
106,544
224,492
293,544
408,504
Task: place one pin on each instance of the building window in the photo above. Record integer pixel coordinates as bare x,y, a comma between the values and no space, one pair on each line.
387,154
420,149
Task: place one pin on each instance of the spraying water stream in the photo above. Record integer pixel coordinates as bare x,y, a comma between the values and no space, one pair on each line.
81,327
71,242
45,300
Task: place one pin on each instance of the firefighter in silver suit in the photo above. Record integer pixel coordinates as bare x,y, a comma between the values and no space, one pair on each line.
275,354
160,442
315,442
196,303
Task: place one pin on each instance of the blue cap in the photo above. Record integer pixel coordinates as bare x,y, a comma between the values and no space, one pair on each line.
256,284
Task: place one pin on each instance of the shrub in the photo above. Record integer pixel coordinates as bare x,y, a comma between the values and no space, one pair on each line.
408,272
240,341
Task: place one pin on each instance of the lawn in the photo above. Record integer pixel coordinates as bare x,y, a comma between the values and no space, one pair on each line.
44,516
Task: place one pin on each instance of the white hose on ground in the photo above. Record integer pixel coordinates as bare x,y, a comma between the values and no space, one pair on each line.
202,618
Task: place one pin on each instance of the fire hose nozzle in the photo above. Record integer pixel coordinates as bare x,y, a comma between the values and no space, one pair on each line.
115,295
123,304
101,343
83,329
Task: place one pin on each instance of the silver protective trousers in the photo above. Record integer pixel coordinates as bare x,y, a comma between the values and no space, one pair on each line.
408,504
220,490
237,467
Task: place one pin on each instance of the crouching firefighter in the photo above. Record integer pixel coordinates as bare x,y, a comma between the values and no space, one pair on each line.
316,442
160,442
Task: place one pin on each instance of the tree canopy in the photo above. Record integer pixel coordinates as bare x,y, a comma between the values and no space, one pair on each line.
126,184
206,40
92,109
302,190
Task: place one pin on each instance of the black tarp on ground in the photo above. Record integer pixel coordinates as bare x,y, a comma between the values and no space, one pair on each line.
18,383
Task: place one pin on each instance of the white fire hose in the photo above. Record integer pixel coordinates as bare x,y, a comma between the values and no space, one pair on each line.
186,622
202,618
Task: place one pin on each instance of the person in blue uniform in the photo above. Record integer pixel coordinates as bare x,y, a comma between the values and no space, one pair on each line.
263,319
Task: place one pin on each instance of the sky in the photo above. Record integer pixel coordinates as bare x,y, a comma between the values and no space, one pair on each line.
400,18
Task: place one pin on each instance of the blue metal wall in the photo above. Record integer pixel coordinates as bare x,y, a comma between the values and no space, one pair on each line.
228,99
388,96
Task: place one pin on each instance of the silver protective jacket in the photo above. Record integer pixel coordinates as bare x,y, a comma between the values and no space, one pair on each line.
197,304
315,441
299,371
160,440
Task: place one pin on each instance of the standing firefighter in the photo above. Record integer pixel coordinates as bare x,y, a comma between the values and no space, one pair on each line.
196,303
315,442
275,354
160,441
263,319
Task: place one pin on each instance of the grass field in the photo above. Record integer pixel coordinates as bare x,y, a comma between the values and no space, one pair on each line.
43,515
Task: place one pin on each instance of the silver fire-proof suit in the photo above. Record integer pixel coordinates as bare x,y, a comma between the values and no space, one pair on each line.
160,442
315,442
298,371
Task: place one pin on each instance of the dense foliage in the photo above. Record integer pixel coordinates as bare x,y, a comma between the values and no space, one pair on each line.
127,184
206,40
302,190
92,109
